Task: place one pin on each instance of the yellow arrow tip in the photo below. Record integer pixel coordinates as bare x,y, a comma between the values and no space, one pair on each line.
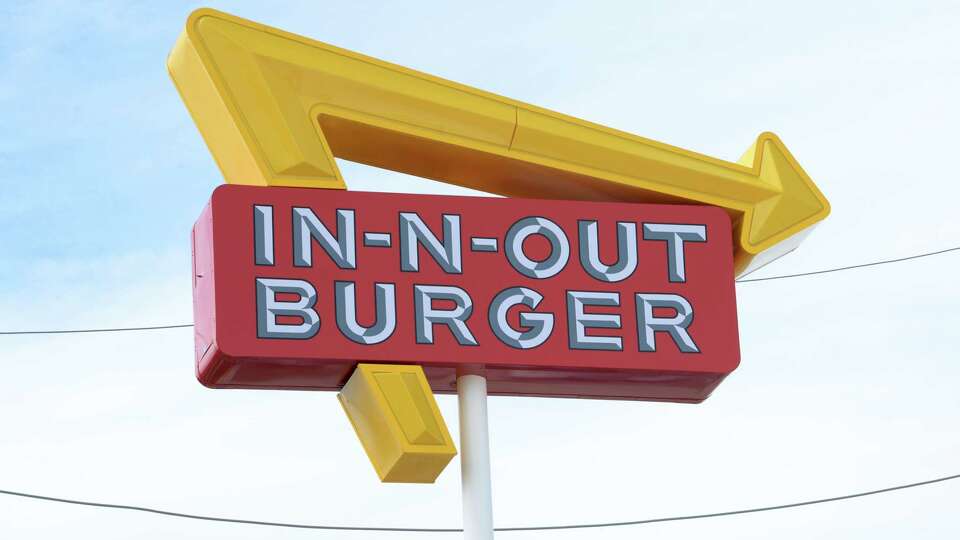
775,226
798,206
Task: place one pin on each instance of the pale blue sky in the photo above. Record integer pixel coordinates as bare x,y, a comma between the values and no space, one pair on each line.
848,381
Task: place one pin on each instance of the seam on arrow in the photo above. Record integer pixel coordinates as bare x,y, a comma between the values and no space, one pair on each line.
516,124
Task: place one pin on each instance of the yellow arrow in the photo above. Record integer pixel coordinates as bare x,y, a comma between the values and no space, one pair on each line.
275,108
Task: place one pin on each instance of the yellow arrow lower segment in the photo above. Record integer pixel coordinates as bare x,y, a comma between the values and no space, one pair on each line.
394,414
275,108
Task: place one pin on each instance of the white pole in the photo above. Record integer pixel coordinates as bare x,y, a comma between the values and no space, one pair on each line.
475,458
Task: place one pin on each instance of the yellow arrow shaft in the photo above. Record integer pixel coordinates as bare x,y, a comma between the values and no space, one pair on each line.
275,108
300,110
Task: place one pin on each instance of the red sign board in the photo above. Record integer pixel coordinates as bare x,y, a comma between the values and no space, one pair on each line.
293,287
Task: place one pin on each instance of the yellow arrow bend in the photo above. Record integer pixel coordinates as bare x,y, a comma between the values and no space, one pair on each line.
275,108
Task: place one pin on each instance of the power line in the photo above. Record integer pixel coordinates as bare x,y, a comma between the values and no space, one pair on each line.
221,519
841,268
502,529
93,330
749,280
736,512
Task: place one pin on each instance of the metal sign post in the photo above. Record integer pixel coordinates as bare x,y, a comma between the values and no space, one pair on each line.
475,458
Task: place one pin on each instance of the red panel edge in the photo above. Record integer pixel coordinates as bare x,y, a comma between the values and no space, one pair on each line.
206,350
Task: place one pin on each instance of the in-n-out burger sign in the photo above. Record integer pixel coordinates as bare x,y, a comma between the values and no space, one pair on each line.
293,287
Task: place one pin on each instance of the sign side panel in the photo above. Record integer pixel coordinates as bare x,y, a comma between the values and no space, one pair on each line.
208,356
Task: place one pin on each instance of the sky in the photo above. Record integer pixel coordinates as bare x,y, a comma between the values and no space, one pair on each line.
848,381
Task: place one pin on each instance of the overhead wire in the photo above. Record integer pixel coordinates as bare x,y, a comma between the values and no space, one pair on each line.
747,280
503,529
95,330
851,267
499,529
